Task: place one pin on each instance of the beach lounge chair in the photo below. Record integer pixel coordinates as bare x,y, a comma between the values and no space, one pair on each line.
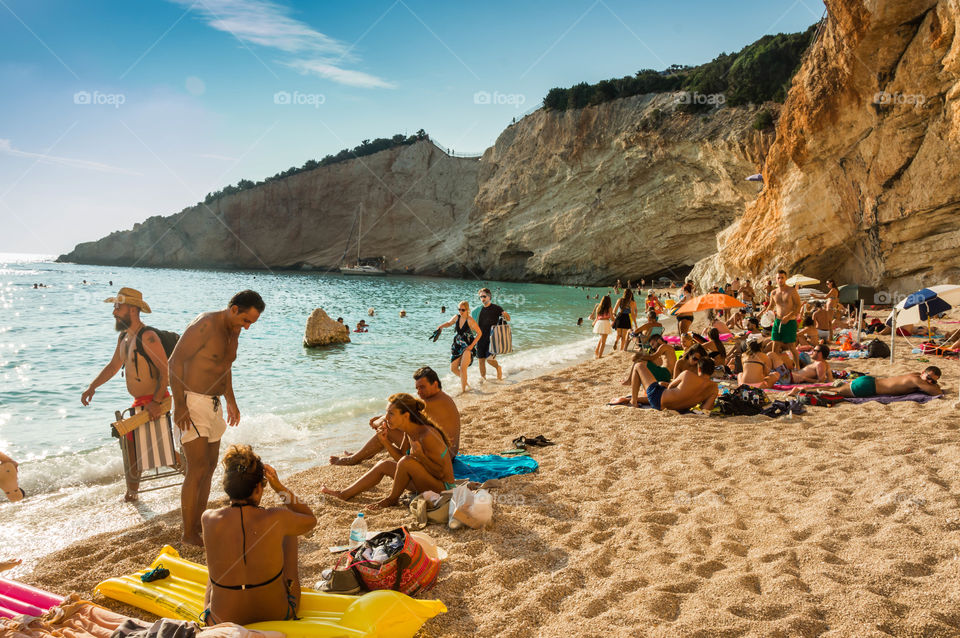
151,453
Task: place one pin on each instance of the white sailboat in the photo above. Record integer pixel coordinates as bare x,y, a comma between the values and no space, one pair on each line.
360,268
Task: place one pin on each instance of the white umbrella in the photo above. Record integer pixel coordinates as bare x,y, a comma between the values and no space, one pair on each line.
802,280
807,293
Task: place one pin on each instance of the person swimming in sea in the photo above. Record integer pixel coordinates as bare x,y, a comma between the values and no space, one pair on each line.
252,552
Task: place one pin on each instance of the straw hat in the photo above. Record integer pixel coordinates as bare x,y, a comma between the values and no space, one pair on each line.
130,297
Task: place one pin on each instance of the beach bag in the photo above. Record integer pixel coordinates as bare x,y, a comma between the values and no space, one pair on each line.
426,511
745,400
501,338
406,568
877,349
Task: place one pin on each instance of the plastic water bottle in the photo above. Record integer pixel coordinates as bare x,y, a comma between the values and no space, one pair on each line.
358,531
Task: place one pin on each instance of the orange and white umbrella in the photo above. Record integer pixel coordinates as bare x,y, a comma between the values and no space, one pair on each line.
711,301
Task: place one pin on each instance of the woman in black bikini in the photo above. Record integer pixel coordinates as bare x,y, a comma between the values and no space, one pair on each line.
684,321
466,337
252,551
626,312
756,367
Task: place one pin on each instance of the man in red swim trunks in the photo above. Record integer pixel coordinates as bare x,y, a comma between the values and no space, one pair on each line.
147,378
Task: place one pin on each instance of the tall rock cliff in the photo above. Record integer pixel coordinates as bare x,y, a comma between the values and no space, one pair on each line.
529,209
623,189
862,181
409,199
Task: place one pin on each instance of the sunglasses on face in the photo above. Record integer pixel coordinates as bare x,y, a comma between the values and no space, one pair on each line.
484,296
462,309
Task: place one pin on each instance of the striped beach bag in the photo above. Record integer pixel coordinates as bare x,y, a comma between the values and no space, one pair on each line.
501,338
407,568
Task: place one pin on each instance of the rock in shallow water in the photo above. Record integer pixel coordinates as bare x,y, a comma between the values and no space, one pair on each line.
324,331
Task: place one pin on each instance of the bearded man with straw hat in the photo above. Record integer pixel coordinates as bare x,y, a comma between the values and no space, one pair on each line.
146,377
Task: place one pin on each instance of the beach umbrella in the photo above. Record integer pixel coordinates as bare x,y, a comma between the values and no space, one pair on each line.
807,293
802,280
921,305
711,301
852,293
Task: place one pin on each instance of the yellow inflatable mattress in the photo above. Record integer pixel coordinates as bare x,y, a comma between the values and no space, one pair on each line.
378,614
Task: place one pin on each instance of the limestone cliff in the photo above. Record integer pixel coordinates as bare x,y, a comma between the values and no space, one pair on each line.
862,181
413,198
529,209
623,189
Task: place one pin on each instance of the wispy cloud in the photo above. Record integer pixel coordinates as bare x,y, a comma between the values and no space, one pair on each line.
325,69
6,148
268,24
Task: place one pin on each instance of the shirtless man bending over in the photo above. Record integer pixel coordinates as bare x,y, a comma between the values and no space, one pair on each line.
786,308
440,407
868,386
686,391
200,373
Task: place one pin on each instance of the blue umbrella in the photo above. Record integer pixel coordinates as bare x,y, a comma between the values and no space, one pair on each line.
921,305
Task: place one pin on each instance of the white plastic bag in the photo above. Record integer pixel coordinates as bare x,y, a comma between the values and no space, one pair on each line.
462,498
482,508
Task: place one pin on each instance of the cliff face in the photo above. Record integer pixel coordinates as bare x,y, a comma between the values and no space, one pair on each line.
623,189
862,181
529,209
412,199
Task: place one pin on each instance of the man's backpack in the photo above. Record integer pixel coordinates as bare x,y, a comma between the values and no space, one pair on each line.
877,349
167,339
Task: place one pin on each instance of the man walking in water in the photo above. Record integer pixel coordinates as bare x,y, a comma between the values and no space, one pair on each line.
487,317
786,308
200,373
145,366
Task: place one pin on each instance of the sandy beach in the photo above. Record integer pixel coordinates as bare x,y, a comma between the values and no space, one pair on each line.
840,522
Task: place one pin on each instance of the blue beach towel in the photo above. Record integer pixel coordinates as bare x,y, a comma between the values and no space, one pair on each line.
482,467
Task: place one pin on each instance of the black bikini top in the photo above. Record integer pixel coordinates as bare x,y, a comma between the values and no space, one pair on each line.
243,556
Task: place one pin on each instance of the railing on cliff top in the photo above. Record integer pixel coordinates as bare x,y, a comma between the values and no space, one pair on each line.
475,155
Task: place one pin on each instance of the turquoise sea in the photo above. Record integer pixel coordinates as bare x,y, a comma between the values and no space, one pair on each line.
298,405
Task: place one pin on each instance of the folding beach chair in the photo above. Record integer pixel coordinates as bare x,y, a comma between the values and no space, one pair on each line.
150,450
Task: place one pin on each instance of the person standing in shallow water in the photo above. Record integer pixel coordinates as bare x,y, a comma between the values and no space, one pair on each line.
146,376
200,374
487,317
465,340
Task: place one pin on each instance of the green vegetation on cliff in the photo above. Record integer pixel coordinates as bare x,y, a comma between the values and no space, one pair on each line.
366,147
757,73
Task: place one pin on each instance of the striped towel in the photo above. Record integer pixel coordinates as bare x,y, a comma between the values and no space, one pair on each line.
155,443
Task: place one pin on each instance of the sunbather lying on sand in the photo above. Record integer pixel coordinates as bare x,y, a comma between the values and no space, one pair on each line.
686,391
421,462
868,386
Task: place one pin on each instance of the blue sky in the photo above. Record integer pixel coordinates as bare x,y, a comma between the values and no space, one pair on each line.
114,111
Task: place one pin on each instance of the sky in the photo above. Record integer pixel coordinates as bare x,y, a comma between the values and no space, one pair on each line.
113,111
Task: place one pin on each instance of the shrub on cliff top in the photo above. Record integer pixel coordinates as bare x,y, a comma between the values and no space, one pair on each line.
366,147
759,72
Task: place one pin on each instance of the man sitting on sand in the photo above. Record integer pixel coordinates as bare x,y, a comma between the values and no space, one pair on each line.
686,391
440,407
870,386
660,361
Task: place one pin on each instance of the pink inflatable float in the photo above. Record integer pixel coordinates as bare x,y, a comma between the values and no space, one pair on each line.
17,598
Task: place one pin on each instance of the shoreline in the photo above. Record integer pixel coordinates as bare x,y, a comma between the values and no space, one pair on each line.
832,523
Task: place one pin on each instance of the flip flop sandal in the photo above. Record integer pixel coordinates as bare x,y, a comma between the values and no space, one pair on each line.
158,573
541,441
521,442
